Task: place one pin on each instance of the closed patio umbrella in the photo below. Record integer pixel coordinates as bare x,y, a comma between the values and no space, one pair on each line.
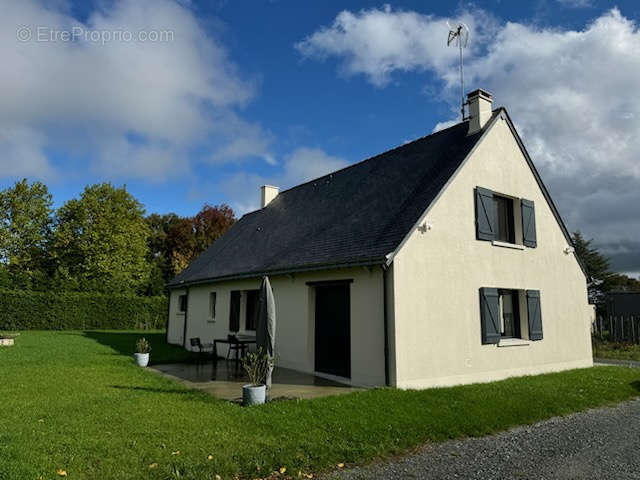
266,323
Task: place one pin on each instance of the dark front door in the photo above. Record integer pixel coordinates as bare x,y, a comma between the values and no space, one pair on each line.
333,330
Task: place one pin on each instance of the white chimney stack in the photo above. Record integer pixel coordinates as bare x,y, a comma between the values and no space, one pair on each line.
479,102
267,193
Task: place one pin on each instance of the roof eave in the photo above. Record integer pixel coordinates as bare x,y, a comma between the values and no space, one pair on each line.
286,271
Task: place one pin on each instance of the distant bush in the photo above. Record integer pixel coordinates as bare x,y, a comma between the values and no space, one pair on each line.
24,310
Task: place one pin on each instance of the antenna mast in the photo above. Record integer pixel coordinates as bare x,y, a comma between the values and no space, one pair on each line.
459,37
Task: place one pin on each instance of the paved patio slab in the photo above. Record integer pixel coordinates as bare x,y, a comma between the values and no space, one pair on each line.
225,381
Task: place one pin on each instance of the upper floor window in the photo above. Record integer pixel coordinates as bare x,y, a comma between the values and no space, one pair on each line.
504,219
505,224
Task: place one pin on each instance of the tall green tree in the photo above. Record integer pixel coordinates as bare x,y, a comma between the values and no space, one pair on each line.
100,242
25,226
596,266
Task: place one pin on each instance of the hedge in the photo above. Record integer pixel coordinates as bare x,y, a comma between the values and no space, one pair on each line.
25,310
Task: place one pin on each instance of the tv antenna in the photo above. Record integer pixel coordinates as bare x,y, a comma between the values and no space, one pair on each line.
459,37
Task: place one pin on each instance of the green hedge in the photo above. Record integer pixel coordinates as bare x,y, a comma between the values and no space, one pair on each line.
24,310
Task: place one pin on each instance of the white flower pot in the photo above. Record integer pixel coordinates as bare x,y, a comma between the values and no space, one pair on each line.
142,359
254,394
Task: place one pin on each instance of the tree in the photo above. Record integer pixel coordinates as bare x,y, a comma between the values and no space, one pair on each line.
175,241
25,226
601,279
596,266
100,242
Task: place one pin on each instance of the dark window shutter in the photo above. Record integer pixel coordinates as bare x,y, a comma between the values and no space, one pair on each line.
485,214
490,315
234,311
528,223
535,315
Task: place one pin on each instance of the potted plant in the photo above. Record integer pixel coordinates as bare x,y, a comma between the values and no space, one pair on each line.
142,352
256,365
7,339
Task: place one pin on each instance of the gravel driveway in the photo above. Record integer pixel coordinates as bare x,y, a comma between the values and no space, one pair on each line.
598,444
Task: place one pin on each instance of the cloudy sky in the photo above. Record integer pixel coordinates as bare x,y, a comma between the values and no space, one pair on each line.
188,102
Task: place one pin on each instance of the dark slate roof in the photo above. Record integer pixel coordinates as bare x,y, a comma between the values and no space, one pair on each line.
354,216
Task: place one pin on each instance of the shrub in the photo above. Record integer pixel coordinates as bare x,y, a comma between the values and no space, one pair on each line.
257,366
143,346
24,310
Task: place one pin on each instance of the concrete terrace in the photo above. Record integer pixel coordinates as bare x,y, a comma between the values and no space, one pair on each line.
223,380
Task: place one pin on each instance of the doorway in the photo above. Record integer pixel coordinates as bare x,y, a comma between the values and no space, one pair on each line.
333,329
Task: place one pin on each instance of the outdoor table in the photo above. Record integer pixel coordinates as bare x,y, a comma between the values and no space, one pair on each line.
242,341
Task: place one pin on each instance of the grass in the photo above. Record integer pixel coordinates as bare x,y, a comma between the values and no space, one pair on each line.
75,401
616,350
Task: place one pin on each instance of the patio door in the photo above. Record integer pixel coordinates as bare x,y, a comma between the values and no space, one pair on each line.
333,329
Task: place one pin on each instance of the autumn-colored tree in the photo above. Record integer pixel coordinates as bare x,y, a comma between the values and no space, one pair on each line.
100,241
176,241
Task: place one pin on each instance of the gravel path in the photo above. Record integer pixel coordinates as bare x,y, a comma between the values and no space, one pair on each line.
598,444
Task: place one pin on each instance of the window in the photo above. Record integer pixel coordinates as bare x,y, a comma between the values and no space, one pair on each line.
509,313
500,314
212,305
504,219
234,310
252,309
182,303
496,219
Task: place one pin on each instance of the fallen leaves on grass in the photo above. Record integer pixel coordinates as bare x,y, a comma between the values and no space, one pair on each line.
209,457
341,465
283,470
153,465
61,473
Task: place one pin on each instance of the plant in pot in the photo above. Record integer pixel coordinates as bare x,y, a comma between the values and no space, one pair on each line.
142,352
7,339
256,364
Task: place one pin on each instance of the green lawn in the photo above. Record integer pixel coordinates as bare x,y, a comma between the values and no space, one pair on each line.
615,350
75,401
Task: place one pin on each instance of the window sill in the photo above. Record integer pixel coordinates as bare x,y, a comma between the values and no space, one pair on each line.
211,320
513,342
180,313
515,246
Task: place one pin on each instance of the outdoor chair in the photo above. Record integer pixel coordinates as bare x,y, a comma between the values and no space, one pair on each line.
202,350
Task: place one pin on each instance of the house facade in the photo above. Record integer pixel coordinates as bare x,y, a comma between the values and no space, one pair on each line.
441,262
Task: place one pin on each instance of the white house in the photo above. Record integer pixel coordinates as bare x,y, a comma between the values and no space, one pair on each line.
440,262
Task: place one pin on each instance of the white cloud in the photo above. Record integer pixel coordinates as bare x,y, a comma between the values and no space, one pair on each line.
376,42
91,98
571,94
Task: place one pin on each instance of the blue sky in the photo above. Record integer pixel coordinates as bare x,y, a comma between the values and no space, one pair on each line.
248,92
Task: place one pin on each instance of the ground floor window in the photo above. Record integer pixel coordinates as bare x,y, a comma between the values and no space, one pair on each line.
251,310
212,305
509,301
182,303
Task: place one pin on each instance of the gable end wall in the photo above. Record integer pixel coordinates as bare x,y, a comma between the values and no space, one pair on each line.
438,272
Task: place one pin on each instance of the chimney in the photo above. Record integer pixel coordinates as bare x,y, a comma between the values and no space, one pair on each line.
267,193
479,102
